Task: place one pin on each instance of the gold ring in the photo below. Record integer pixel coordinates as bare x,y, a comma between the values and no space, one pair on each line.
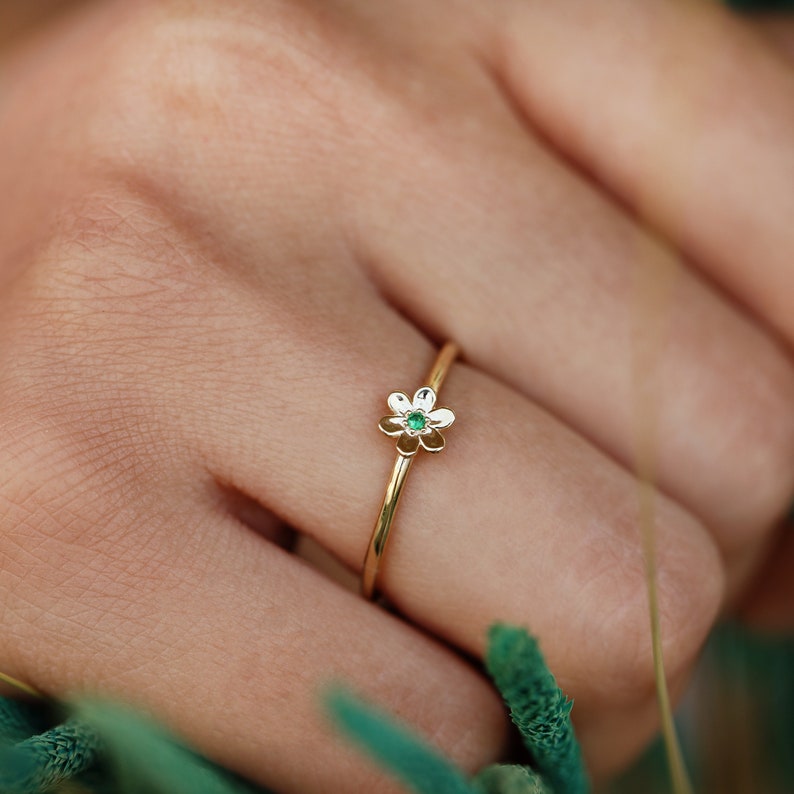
417,422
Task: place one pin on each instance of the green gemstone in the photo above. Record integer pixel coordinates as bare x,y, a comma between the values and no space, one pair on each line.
416,420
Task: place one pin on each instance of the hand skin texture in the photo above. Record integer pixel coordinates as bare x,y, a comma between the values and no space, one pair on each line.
230,229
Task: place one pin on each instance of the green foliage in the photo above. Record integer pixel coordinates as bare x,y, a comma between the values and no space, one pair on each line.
144,757
20,719
42,761
101,749
422,769
106,749
739,724
91,748
510,779
751,679
538,707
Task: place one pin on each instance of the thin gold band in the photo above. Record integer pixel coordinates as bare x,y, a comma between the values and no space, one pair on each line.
440,368
380,534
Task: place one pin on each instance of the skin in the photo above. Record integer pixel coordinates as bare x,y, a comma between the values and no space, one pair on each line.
229,230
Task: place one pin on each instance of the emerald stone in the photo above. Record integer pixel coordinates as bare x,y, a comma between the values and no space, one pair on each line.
416,420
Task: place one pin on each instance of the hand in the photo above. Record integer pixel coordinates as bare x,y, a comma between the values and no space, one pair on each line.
230,229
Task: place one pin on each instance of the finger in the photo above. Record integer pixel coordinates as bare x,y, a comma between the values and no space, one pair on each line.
519,519
550,287
619,734
695,135
121,569
587,275
261,437
167,603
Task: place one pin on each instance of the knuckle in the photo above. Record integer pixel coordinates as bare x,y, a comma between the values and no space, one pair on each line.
689,582
292,76
116,248
215,74
77,542
49,520
86,336
106,293
55,489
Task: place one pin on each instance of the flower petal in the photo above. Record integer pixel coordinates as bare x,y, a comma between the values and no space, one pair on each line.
441,417
392,425
399,402
407,445
424,399
432,441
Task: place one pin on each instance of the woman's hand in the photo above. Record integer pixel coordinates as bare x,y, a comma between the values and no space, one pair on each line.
230,229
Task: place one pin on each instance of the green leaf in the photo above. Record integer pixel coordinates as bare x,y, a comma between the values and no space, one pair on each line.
407,757
145,757
510,779
538,707
48,759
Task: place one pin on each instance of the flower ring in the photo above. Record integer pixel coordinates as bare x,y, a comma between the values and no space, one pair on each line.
416,422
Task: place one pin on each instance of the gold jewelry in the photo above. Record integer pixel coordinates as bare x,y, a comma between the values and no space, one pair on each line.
417,423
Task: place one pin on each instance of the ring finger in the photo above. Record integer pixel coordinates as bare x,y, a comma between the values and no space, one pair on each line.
521,519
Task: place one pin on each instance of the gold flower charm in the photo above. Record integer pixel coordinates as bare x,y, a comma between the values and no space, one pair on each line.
416,422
